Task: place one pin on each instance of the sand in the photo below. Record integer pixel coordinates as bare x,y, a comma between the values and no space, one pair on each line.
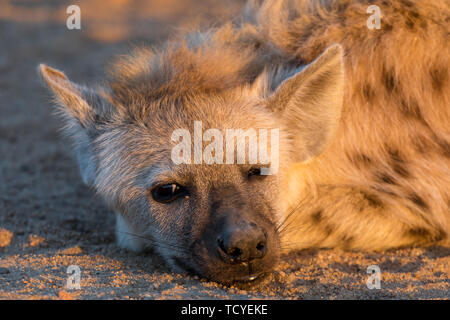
49,220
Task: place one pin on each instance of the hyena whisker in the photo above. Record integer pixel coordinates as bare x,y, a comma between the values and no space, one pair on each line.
158,244
282,226
293,246
285,230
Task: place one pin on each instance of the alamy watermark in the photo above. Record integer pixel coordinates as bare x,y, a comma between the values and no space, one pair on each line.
74,19
74,278
374,281
257,150
374,20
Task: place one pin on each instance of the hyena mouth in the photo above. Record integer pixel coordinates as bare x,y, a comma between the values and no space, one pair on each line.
243,282
252,277
250,281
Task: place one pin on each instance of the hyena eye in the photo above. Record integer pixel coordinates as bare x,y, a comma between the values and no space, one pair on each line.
254,172
168,193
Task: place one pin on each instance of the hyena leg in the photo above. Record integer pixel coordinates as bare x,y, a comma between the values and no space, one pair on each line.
354,219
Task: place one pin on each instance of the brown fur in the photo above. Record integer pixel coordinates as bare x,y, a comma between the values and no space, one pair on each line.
397,93
370,173
393,97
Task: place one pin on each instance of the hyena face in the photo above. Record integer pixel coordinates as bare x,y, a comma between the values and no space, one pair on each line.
225,221
216,220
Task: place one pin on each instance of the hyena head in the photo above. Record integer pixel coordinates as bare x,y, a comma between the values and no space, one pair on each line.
219,221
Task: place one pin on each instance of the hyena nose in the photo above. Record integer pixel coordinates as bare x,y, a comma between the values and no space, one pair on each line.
242,244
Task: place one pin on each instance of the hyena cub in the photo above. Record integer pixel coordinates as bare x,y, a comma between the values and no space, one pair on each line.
363,147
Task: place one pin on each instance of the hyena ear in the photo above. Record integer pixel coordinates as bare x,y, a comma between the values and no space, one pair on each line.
82,109
309,103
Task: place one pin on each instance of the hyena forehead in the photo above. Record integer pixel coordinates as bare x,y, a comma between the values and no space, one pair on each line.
235,108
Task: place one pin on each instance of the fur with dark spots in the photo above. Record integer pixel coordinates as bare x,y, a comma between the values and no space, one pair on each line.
385,191
418,200
394,154
411,109
389,80
360,160
385,178
317,216
398,163
328,230
427,235
412,18
368,92
407,3
444,146
419,233
421,144
439,77
442,235
387,27
187,81
401,170
372,200
409,23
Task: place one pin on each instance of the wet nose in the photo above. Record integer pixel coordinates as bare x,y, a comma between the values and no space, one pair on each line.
242,243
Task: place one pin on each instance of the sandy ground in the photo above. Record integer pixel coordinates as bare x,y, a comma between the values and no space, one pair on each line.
50,220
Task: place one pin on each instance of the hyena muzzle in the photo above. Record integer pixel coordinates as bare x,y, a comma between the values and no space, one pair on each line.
363,144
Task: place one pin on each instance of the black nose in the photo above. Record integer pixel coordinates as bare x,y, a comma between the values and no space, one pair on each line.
242,243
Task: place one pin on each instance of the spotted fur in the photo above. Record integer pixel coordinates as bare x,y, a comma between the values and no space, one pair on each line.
365,144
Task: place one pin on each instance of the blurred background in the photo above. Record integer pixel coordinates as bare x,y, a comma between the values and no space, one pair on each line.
32,31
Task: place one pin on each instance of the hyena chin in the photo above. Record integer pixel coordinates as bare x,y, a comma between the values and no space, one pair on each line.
363,160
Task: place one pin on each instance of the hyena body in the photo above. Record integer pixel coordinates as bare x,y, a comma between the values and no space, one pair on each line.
385,179
364,143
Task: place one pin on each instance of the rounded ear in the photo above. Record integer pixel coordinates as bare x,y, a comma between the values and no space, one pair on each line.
70,96
81,109
309,103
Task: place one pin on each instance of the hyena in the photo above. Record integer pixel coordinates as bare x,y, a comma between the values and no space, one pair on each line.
364,145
